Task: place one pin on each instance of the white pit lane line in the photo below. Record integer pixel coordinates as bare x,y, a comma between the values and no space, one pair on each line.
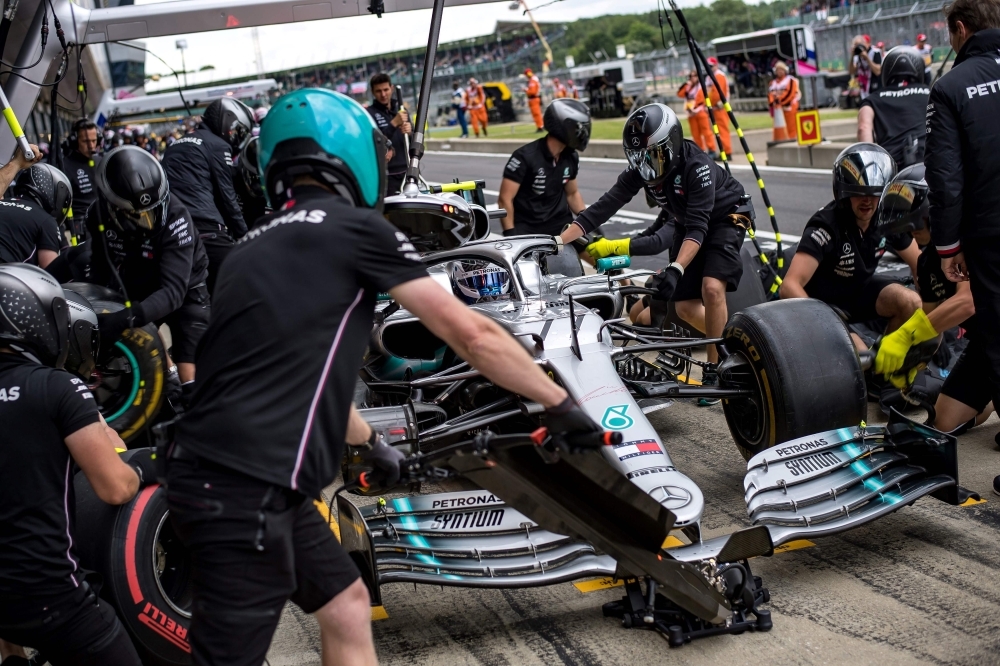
608,160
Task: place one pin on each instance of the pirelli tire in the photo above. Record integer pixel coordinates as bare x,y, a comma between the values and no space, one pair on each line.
145,569
797,360
129,382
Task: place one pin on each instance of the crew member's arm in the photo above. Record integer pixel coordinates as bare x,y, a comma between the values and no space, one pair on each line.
799,273
952,311
508,190
909,253
866,123
946,183
47,241
225,193
479,340
9,171
655,239
625,188
700,186
573,197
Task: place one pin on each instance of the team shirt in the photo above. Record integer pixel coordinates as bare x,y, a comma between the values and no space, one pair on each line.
25,228
291,315
847,257
39,408
900,120
540,205
383,115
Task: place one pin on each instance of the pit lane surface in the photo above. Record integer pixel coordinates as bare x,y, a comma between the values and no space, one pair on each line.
917,587
795,193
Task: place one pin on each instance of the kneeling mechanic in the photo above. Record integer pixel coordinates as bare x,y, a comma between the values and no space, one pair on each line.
272,408
51,423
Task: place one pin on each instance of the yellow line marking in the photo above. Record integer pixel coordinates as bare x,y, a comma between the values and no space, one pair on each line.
324,511
794,545
972,502
379,613
683,379
672,542
588,586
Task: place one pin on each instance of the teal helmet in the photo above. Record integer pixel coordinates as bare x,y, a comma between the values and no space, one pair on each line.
325,135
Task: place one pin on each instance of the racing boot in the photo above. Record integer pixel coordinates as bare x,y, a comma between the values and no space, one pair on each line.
709,378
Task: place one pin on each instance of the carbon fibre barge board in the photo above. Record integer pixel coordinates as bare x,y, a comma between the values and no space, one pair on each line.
583,496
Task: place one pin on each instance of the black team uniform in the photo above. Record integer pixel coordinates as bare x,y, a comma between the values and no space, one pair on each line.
44,600
265,430
963,174
25,228
396,167
540,205
702,198
900,121
80,171
199,170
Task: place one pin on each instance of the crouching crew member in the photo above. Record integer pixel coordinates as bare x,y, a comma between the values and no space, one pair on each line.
395,124
144,242
29,222
711,218
50,425
965,398
273,404
538,189
895,116
840,248
199,167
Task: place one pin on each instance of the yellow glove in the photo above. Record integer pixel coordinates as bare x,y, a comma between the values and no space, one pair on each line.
892,350
904,381
603,247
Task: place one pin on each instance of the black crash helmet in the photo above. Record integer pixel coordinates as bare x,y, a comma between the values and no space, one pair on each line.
904,206
230,119
249,169
903,64
48,186
34,317
569,121
133,190
862,170
653,141
84,336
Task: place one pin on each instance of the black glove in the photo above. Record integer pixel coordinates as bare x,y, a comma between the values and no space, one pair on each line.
112,324
665,282
385,459
567,418
509,232
143,461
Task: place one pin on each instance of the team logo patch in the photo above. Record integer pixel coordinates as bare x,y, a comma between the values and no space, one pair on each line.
144,199
642,447
615,418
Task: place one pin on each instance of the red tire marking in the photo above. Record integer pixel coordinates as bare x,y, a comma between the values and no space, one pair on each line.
130,536
152,624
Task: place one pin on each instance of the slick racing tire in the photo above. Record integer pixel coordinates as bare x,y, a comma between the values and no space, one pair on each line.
128,381
797,360
145,568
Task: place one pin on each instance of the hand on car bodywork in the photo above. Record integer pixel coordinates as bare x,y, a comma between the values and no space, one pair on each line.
665,282
604,247
384,458
567,418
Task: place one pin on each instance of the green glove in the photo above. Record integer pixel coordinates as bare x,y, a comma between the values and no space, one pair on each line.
603,247
892,350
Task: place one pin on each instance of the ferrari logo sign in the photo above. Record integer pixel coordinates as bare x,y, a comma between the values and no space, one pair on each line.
615,418
807,124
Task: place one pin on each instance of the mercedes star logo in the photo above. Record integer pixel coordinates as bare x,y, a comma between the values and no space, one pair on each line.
671,497
502,245
635,141
145,199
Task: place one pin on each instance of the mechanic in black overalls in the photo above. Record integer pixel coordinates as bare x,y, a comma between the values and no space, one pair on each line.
895,116
538,189
708,206
840,249
965,399
78,165
963,169
199,168
29,230
395,124
156,253
246,180
51,423
277,368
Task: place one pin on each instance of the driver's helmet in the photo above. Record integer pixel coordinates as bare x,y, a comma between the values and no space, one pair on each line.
479,281
905,206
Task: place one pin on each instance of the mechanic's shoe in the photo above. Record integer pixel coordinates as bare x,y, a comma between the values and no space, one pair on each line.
996,485
709,378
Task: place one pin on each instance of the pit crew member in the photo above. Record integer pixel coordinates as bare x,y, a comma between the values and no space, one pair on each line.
29,230
895,116
51,423
395,125
144,242
266,429
963,169
707,204
199,169
9,171
964,400
539,190
78,165
840,248
246,181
